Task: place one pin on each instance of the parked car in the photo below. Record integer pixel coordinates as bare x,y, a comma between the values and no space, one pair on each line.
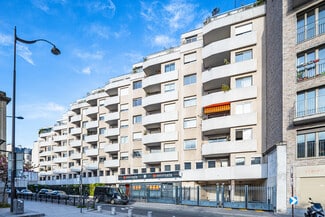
26,192
44,192
111,195
59,194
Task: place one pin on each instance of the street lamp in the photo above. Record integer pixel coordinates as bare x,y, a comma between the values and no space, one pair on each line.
18,117
55,51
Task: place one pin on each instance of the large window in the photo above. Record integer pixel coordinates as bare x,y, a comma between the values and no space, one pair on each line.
310,102
169,87
244,82
191,57
124,139
243,55
137,85
137,119
311,144
243,108
170,67
189,122
189,144
189,101
190,79
137,102
307,27
311,63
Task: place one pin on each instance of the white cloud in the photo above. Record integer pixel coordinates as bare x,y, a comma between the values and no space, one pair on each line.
99,30
107,7
98,55
163,40
25,53
87,70
5,40
42,110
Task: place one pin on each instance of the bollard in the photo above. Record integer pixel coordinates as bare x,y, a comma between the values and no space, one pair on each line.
149,214
129,212
113,210
99,208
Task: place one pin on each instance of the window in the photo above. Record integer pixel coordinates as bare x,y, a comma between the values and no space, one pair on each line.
191,39
101,159
169,107
243,55
243,108
169,127
321,143
170,67
122,171
190,144
189,101
137,153
124,124
124,155
152,169
306,145
190,79
167,168
169,87
137,119
255,160
137,85
137,102
244,134
191,57
240,161
169,147
124,91
199,165
310,102
135,171
143,170
102,131
239,30
177,167
101,102
137,136
101,117
211,164
244,82
187,165
189,123
124,107
124,140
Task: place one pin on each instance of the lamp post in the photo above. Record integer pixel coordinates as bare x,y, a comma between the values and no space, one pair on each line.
55,51
18,117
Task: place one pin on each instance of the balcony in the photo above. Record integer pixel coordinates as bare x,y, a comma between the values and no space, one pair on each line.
46,134
312,69
45,173
75,131
91,124
91,138
79,104
60,148
160,157
228,147
309,116
45,163
75,143
60,160
75,156
91,152
75,168
91,111
60,138
229,121
112,100
44,143
60,171
159,98
226,173
224,71
91,166
97,95
159,78
112,132
112,163
159,137
59,127
111,147
75,118
156,59
159,118
45,153
228,44
112,116
237,94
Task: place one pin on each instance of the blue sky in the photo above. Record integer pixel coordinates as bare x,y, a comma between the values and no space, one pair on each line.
98,39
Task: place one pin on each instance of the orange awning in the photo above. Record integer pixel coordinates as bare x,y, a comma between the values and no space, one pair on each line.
218,107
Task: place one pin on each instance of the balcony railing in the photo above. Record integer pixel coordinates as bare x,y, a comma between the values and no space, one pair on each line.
308,112
311,69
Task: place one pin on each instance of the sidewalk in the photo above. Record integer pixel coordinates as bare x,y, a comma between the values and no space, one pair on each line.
38,209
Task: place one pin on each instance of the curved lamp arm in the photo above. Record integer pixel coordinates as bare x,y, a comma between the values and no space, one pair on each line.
54,50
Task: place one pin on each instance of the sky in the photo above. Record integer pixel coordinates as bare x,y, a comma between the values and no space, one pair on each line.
98,39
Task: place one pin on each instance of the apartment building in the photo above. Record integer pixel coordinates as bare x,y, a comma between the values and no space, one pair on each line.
295,122
4,100
189,116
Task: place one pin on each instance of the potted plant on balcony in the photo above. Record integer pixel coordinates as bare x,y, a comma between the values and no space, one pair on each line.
225,87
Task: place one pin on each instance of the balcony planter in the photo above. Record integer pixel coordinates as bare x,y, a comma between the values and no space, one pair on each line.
225,87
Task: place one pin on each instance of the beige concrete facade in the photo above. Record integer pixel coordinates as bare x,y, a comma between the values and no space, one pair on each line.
192,114
4,100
